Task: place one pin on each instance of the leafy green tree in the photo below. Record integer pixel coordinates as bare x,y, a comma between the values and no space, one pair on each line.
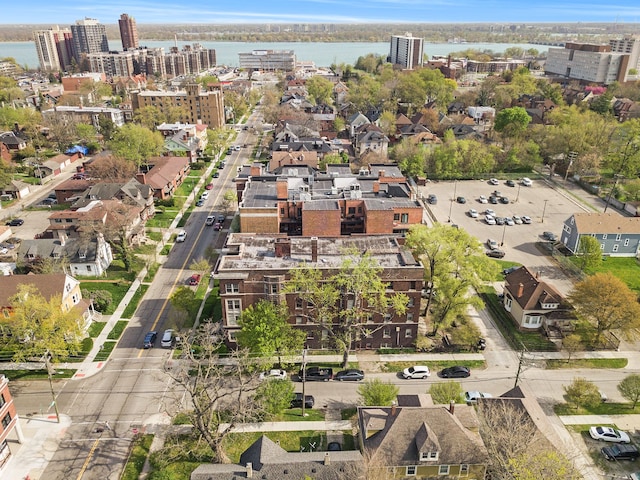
149,117
343,303
455,264
547,464
388,123
629,387
39,325
106,127
363,92
376,393
216,139
85,133
275,395
624,156
445,392
369,63
265,332
632,189
512,122
320,89
136,143
101,299
607,304
571,344
582,393
589,253
602,103
183,299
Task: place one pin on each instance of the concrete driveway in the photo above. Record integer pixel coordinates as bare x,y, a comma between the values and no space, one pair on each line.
548,208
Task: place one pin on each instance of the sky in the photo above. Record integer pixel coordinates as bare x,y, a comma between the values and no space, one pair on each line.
322,11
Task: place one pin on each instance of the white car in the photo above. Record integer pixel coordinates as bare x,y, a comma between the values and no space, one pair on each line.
509,221
608,434
483,199
473,213
489,220
526,220
517,220
492,244
490,211
204,195
211,219
182,236
275,373
526,182
494,181
473,396
417,371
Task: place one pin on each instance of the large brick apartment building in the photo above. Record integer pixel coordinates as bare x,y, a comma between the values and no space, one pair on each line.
8,421
257,267
300,201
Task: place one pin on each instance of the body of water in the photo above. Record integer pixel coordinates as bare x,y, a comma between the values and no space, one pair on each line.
322,54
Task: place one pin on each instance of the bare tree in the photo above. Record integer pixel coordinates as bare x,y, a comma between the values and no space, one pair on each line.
220,390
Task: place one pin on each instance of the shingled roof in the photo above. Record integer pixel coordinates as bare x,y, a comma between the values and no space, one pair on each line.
529,291
609,223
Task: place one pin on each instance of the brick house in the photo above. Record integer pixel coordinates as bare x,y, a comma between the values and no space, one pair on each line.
377,200
164,175
257,268
9,421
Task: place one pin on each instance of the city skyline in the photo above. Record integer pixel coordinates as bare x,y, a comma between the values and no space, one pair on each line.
327,11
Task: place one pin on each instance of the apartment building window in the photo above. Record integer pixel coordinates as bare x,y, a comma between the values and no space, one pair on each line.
234,309
386,333
443,470
299,303
412,285
408,333
298,320
387,317
396,217
352,210
6,420
411,302
412,469
404,218
2,400
232,288
409,317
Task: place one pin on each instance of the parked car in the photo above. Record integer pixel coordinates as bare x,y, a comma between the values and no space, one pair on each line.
473,396
494,181
509,221
334,447
483,199
432,199
608,434
455,372
620,452
526,220
220,218
16,222
493,200
495,253
168,339
504,200
510,183
216,174
211,219
351,375
517,220
309,401
461,200
489,220
274,373
200,202
316,374
473,213
194,279
208,186
526,182
499,220
417,371
149,339
549,236
181,237
217,226
509,270
490,211
492,244
204,195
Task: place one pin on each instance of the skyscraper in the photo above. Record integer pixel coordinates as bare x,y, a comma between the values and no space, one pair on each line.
89,36
54,47
128,32
406,51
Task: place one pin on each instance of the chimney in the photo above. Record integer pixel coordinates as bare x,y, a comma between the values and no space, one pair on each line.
249,470
452,407
63,238
376,187
327,459
283,247
256,170
381,173
394,408
314,249
282,189
520,290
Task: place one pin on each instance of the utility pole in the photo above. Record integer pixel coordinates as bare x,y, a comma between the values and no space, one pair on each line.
544,209
304,374
51,371
455,185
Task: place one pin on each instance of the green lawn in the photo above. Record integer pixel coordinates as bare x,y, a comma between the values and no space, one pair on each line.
151,272
95,328
135,300
38,374
153,235
118,291
236,443
162,219
139,453
434,366
587,363
624,268
117,330
104,353
605,408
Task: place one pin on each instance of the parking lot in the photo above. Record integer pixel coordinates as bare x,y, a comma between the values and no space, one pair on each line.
547,207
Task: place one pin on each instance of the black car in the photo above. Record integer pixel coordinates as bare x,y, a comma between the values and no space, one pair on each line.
500,221
620,452
432,199
16,222
504,200
461,200
200,203
316,374
309,401
495,253
509,270
510,183
549,236
455,372
220,218
334,447
493,199
149,340
351,375
216,174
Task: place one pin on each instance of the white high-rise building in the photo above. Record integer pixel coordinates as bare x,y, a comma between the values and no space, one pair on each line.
54,48
406,51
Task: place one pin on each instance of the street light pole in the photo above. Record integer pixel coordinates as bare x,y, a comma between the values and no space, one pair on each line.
50,371
504,230
544,209
615,186
304,374
455,185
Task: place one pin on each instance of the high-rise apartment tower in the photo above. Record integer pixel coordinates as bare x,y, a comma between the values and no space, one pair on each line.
128,32
89,36
406,51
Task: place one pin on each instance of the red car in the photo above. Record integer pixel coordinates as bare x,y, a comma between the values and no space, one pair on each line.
194,279
208,186
217,226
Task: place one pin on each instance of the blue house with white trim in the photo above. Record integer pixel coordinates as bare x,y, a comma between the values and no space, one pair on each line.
618,236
